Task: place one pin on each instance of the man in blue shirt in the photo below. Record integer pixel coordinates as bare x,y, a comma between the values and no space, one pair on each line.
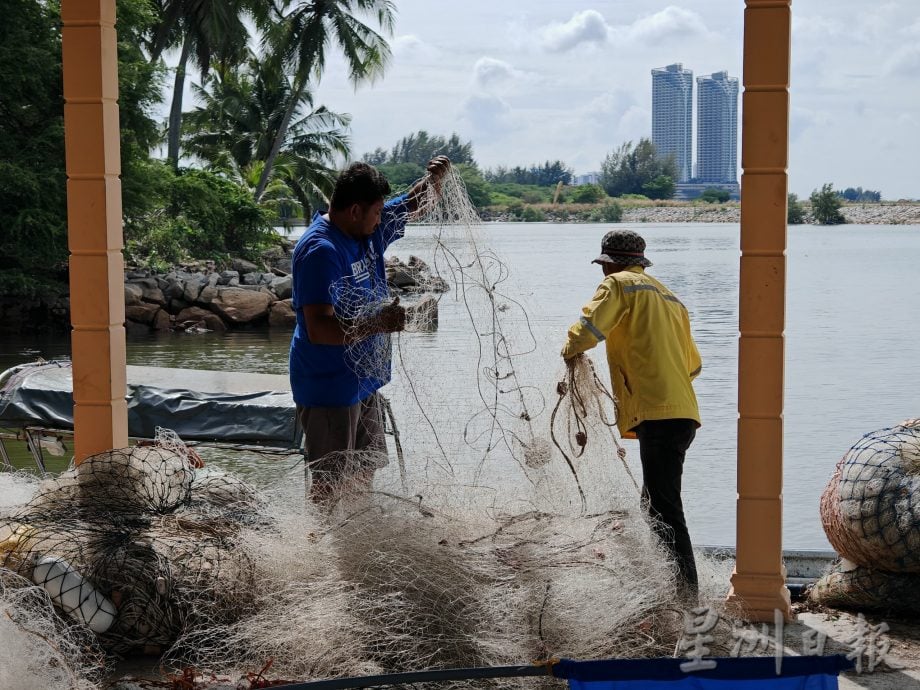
340,353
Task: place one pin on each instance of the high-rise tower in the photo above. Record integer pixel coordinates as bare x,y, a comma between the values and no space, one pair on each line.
672,116
717,128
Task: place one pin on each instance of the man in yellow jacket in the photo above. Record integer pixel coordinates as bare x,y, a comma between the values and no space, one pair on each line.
653,361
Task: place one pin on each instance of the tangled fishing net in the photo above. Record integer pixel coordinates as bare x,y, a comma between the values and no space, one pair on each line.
511,529
136,545
41,649
871,515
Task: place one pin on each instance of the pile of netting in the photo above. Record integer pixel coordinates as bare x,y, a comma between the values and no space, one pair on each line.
871,515
138,551
136,545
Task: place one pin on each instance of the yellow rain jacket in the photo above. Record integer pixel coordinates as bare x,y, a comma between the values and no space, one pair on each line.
650,350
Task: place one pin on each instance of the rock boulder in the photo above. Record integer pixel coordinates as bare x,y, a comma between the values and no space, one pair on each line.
195,315
239,306
282,315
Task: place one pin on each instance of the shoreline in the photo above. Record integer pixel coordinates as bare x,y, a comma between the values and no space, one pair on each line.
883,213
857,214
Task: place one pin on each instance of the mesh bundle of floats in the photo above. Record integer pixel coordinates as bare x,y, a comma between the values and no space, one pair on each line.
871,515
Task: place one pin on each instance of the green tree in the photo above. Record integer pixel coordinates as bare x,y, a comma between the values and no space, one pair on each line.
421,147
33,205
203,215
609,212
588,194
532,215
860,194
628,169
715,195
234,130
825,206
476,187
203,30
795,212
401,175
549,174
140,84
302,38
662,187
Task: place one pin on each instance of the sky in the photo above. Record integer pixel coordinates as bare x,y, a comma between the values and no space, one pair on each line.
532,80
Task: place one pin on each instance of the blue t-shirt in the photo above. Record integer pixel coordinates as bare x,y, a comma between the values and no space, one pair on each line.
329,267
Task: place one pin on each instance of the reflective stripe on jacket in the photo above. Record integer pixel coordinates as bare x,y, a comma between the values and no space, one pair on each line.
650,350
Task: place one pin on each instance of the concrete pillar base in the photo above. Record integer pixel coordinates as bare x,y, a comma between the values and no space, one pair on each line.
763,596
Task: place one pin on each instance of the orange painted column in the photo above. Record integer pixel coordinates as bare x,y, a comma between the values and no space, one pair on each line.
94,225
759,580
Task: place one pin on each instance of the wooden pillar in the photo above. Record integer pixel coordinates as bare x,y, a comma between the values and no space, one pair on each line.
94,225
758,583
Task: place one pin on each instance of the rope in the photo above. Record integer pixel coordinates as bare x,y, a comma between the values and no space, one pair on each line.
576,425
538,668
388,415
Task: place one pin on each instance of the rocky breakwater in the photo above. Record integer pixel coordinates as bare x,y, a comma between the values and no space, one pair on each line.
414,283
203,299
198,299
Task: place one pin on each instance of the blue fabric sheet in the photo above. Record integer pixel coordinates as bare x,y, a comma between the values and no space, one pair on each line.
755,673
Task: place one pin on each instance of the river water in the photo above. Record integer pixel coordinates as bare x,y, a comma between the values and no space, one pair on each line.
852,346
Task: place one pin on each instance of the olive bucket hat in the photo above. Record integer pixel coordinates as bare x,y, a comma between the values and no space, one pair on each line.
623,247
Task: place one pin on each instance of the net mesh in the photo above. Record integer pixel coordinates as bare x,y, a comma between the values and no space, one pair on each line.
851,586
871,515
40,648
511,529
871,507
135,545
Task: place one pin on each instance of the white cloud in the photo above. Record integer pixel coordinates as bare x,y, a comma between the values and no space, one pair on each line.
609,107
803,119
588,26
412,47
533,103
905,62
489,115
670,22
816,27
489,72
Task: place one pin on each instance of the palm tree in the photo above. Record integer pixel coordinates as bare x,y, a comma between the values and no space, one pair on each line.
206,30
301,38
238,122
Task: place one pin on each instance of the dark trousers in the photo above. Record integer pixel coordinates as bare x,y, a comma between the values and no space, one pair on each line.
662,446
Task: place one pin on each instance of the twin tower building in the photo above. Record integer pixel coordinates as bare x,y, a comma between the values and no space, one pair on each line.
716,125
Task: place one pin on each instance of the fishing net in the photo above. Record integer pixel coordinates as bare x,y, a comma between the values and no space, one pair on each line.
871,507
871,515
395,583
136,545
510,529
39,648
495,327
852,586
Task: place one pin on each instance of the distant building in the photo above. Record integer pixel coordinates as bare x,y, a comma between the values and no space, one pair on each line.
717,129
587,178
672,116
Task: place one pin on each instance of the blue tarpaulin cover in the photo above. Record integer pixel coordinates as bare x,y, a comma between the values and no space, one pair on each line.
226,406
751,673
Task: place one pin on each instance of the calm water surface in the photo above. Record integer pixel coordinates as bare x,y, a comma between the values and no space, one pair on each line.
852,344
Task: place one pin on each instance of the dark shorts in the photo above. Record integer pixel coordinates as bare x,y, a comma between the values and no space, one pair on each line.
342,441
